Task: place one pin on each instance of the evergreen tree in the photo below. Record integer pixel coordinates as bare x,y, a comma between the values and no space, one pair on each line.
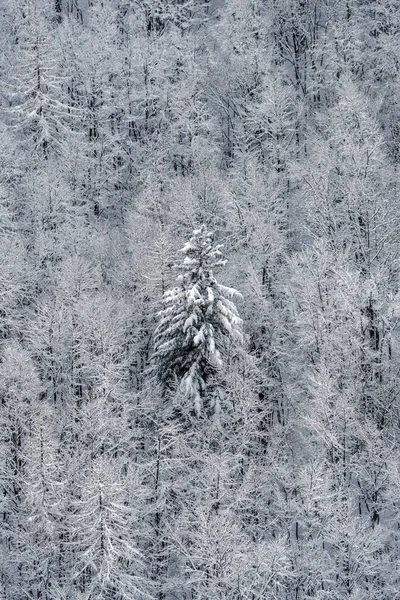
197,319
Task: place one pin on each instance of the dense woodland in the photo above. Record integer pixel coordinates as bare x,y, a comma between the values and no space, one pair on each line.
199,300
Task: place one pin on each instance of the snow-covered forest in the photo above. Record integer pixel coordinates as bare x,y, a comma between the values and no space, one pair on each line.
199,299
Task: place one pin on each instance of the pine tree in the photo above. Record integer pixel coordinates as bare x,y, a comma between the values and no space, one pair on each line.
197,318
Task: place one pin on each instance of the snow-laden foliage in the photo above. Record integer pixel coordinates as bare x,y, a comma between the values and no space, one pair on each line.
197,319
153,455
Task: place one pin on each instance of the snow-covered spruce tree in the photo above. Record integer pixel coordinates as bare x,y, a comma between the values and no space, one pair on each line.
197,318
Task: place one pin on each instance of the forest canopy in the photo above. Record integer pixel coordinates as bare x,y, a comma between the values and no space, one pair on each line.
199,299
